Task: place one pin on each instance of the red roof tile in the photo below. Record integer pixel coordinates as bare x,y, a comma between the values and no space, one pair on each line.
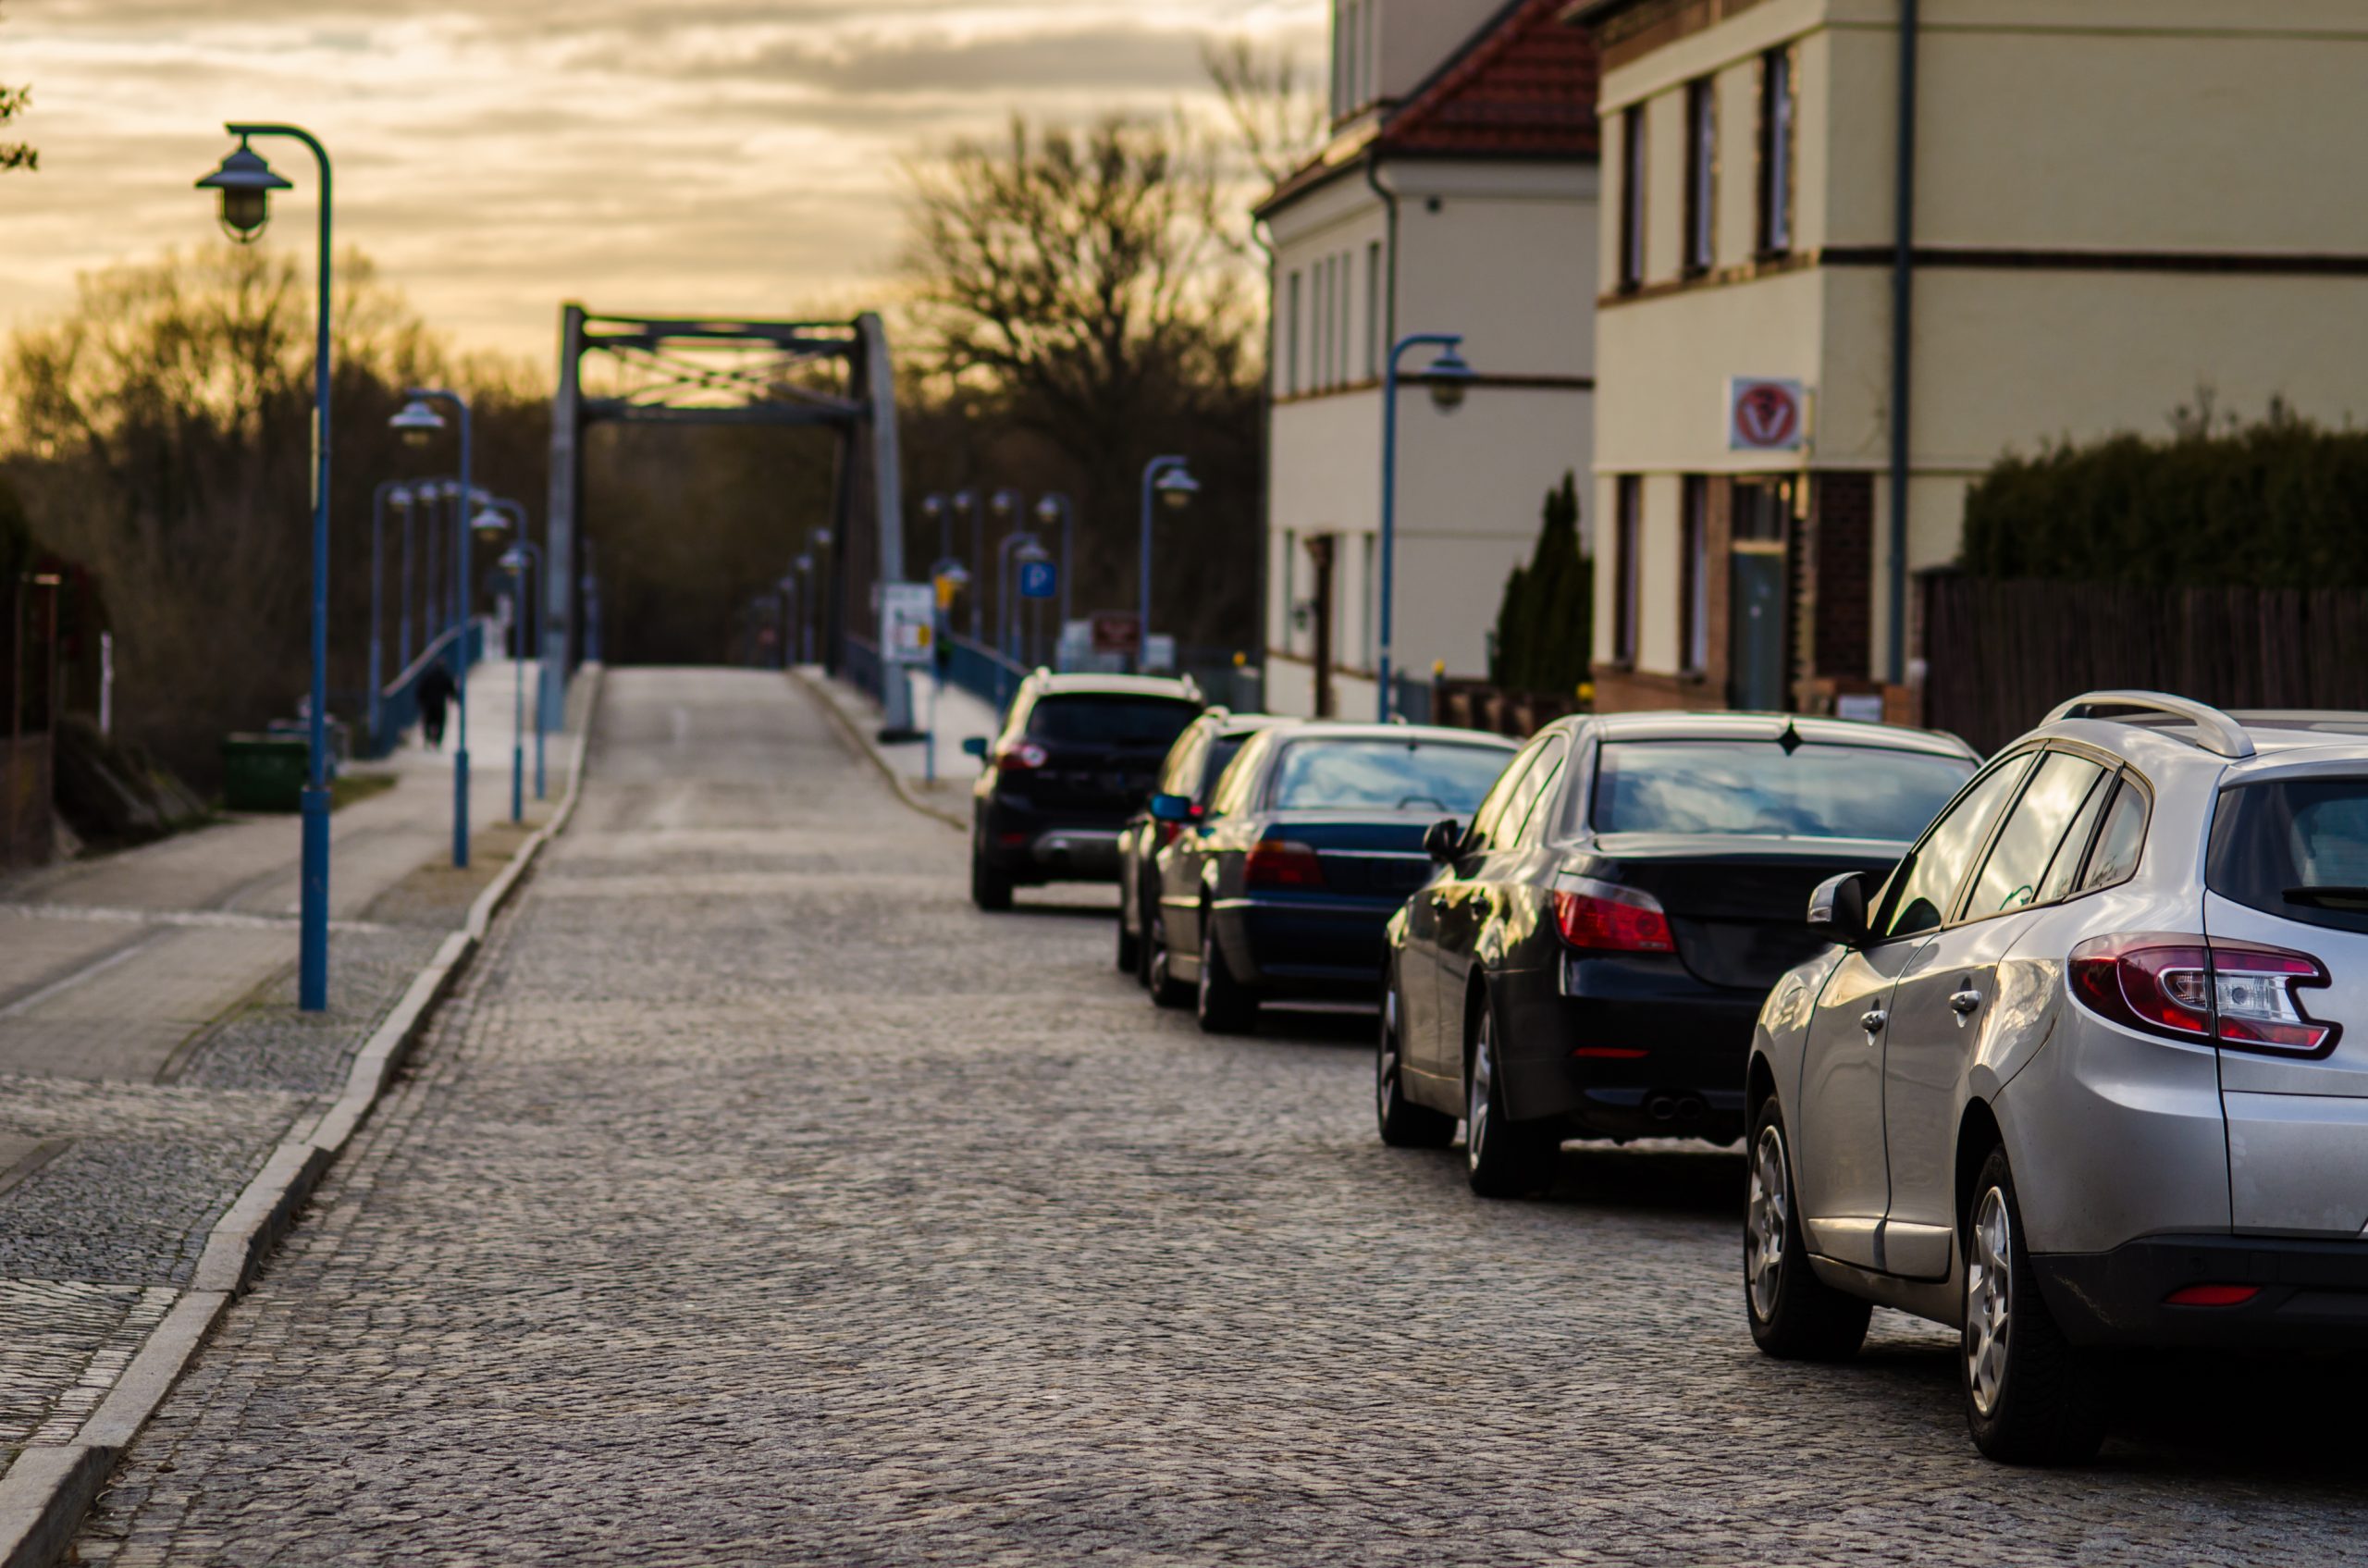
1526,86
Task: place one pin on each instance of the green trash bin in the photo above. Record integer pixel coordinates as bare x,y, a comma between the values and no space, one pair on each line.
264,773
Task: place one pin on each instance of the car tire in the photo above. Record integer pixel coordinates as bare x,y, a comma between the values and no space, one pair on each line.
1130,947
990,890
1404,1124
1503,1158
2031,1396
1794,1315
1165,990
1226,1007
1146,951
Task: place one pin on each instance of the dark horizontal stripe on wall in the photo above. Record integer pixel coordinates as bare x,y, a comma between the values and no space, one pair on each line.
2264,263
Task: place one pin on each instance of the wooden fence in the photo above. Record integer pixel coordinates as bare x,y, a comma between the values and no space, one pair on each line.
1999,655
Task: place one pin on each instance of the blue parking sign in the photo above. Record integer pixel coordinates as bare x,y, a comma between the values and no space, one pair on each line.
1039,579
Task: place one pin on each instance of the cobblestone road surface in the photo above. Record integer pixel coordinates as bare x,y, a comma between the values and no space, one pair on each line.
759,1203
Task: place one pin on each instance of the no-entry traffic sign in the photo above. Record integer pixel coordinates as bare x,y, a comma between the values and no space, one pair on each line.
1766,415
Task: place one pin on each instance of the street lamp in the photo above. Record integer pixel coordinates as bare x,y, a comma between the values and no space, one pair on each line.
1008,592
418,422
933,507
1053,508
1170,480
246,182
395,492
966,506
1449,378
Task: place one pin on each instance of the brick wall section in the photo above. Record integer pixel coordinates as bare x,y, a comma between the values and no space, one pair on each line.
1843,638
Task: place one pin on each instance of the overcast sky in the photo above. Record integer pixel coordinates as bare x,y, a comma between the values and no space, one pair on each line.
497,158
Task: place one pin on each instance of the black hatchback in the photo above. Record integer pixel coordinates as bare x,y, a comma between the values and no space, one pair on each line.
1591,953
1076,756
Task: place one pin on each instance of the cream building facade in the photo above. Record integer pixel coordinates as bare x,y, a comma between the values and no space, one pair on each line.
2114,204
1459,195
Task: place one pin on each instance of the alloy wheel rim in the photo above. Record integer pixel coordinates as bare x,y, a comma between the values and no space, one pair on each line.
1208,948
1988,1304
1385,1076
1475,1110
1763,1237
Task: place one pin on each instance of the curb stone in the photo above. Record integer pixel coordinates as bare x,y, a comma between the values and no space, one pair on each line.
857,743
45,1494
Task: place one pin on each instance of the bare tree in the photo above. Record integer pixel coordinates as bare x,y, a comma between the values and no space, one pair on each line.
15,101
1278,117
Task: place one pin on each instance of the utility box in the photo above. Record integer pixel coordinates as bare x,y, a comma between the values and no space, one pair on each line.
264,773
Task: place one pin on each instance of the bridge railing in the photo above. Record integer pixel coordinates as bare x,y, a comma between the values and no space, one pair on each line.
982,671
399,701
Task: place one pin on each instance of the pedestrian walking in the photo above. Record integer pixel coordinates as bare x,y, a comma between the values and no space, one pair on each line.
435,690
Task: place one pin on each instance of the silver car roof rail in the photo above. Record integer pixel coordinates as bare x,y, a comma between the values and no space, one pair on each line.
2221,734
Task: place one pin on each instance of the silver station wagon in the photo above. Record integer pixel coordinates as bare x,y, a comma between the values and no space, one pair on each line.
2087,1069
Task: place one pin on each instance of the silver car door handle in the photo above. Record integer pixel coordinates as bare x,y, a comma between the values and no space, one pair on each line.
1966,1001
1439,900
1872,1023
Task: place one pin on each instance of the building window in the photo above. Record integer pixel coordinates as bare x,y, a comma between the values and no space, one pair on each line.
1628,531
1694,585
1631,197
1290,586
1371,602
1290,341
1373,312
1778,105
1701,174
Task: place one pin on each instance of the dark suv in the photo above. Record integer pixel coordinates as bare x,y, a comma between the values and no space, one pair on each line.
1076,756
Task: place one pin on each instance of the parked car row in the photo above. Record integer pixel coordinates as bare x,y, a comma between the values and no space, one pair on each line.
2050,1049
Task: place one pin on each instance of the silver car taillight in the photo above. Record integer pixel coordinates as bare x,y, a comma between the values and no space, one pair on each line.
2237,994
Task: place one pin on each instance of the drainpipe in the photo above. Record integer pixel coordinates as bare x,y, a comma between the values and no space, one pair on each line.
1903,322
1265,481
1389,299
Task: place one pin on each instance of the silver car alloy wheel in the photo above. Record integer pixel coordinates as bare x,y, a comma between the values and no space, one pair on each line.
1385,1076
1987,1281
1475,1104
1763,1237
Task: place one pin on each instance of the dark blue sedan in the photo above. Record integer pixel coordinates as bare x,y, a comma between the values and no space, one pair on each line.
1283,887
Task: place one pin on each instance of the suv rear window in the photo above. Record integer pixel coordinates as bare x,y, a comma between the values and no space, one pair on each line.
2296,848
1104,719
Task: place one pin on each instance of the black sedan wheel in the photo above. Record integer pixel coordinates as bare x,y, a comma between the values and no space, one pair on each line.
1404,1124
1503,1158
1226,1005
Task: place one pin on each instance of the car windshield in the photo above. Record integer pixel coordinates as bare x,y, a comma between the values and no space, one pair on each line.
1758,787
2297,849
1107,719
1386,776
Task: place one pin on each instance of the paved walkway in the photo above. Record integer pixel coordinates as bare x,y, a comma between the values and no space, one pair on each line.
957,716
151,1054
759,1202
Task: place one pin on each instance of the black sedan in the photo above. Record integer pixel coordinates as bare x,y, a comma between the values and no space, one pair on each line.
1281,889
1590,956
1076,755
1192,768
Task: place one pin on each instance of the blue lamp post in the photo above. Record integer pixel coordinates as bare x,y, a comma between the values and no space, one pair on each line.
965,504
933,507
1168,479
1449,378
1057,508
525,561
1007,594
246,182
412,498
398,493
418,423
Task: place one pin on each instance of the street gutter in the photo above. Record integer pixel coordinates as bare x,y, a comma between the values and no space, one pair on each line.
47,1492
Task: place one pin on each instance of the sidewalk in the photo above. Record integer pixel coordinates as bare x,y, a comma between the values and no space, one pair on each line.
959,716
151,1056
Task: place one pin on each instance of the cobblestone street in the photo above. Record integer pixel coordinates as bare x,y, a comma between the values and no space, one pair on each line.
759,1201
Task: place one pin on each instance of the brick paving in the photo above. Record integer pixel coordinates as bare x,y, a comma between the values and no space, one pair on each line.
758,1201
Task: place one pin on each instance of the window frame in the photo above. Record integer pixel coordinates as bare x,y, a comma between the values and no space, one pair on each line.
2109,781
1694,576
1632,175
1541,803
1879,907
1373,310
1292,335
1627,567
1478,840
1699,252
1778,182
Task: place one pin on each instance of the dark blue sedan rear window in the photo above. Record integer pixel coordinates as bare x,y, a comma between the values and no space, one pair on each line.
1758,787
1386,776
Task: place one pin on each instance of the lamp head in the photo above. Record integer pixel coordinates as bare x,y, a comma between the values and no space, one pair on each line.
823,538
1451,377
1048,511
246,184
1003,503
417,424
488,525
514,559
964,503
804,563
1176,487
933,507
399,498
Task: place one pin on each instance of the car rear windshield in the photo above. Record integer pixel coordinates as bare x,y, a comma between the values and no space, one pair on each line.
1106,719
1386,776
1758,787
2296,848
